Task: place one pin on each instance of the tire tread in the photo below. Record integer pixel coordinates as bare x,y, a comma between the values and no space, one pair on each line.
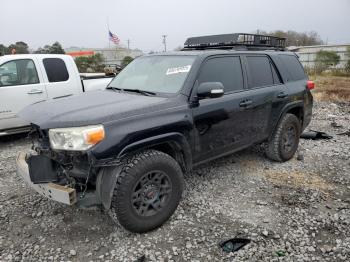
273,147
125,176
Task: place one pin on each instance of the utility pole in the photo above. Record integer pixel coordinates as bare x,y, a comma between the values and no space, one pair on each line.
128,44
164,41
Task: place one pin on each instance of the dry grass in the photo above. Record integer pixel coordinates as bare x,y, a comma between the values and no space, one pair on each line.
298,180
332,88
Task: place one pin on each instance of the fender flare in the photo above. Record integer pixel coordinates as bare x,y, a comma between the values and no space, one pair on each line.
107,176
285,109
176,140
105,183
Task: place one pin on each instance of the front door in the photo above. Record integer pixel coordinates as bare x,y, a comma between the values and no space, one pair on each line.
20,86
222,124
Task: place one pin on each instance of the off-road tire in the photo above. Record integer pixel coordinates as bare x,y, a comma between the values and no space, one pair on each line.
275,149
135,168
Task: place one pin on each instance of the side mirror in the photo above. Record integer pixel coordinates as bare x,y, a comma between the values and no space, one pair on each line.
210,89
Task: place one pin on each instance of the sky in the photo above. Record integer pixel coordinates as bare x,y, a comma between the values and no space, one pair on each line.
83,23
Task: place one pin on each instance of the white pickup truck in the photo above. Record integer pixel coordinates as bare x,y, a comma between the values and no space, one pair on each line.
31,78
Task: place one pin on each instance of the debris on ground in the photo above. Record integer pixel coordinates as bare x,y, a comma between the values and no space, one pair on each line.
234,244
336,125
346,133
315,135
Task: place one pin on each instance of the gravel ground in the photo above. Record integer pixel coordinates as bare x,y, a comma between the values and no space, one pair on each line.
293,211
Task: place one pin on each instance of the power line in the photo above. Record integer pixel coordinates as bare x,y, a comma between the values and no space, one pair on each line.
164,41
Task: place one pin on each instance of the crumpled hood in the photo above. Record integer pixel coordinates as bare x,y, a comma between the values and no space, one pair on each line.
96,107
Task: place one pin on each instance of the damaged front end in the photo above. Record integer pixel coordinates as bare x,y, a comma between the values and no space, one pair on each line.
66,176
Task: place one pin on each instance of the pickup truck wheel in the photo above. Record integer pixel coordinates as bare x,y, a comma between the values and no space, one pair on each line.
148,191
284,142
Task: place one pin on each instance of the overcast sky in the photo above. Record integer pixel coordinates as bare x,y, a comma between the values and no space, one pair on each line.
83,23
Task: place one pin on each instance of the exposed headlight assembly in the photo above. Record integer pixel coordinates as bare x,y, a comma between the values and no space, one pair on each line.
76,138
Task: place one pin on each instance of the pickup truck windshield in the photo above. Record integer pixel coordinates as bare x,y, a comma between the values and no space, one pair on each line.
159,74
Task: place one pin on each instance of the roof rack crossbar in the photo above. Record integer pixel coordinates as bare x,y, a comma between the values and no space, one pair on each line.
242,40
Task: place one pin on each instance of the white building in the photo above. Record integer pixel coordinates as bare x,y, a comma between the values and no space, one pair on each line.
307,54
116,55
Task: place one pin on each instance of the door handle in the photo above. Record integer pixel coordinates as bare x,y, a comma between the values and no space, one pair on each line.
282,95
245,103
35,91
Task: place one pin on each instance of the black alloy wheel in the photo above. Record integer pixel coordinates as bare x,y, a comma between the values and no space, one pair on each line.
151,193
148,190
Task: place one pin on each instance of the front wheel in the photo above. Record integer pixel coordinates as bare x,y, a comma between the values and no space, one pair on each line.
285,140
148,191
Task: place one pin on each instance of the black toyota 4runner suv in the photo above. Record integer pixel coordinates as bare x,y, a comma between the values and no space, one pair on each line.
127,148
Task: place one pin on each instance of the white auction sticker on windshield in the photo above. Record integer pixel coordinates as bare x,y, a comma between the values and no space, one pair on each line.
177,70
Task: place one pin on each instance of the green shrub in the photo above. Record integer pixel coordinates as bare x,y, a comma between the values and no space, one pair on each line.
326,59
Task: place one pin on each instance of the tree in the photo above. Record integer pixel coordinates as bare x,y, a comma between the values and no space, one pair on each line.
97,62
43,50
89,64
126,60
55,48
3,50
296,38
326,59
347,66
20,47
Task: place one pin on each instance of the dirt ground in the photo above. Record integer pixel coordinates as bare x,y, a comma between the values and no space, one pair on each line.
293,211
332,88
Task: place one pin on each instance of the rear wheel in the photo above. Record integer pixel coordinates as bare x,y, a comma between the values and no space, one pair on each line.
148,191
285,140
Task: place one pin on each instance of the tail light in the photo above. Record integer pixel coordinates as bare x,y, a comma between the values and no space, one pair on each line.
310,84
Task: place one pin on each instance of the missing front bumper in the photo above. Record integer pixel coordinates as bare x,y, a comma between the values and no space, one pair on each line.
52,191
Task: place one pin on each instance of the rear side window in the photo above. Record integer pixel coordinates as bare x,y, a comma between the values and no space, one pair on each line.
260,73
294,67
56,69
227,70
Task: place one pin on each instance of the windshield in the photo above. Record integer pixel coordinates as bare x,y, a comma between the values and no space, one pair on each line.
159,74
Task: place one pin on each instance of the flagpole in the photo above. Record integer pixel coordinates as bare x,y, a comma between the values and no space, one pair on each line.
109,41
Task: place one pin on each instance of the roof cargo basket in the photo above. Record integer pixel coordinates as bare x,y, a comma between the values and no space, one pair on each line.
239,41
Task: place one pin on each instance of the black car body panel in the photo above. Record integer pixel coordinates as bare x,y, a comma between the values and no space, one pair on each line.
188,128
92,108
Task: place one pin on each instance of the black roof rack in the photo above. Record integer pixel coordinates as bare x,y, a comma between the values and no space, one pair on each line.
239,41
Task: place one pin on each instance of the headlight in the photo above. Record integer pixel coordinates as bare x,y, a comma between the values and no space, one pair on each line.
76,138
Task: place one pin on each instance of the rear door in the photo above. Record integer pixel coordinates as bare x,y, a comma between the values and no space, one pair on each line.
267,93
20,85
221,124
296,79
61,78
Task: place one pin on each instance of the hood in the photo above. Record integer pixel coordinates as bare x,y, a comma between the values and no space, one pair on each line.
97,107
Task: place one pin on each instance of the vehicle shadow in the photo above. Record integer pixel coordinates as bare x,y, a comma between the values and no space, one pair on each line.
254,153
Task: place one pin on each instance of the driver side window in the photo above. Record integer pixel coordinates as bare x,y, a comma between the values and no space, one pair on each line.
226,70
18,72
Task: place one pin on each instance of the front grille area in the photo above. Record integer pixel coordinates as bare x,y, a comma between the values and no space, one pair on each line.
40,138
72,168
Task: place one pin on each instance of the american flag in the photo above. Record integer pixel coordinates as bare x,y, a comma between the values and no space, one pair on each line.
114,38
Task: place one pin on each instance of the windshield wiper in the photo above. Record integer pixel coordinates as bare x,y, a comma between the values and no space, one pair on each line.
114,88
143,92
